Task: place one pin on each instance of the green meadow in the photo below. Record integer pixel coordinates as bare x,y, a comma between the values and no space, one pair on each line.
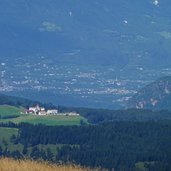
9,111
13,114
5,142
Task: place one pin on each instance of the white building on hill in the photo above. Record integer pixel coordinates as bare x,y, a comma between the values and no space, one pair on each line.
52,112
73,114
42,113
37,110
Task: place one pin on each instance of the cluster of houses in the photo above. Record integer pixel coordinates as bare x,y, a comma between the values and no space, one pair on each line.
37,110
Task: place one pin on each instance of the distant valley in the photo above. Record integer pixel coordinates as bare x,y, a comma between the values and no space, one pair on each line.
74,85
90,54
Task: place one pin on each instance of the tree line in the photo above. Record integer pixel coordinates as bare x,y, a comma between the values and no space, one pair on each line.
96,116
118,145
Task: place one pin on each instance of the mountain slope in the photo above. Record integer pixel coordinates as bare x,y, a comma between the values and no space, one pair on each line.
74,31
156,95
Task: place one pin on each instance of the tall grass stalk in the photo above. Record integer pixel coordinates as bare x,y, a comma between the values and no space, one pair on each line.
7,164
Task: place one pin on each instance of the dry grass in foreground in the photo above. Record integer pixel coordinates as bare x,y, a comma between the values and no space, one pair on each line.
7,164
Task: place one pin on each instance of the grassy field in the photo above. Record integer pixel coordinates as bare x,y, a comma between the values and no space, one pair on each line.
25,165
5,134
141,165
47,120
9,111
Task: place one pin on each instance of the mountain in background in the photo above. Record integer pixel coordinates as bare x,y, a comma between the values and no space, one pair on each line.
156,95
95,32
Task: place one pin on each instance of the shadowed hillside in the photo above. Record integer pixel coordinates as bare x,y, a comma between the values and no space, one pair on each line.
20,102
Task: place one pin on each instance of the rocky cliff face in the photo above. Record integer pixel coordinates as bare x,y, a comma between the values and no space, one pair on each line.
156,95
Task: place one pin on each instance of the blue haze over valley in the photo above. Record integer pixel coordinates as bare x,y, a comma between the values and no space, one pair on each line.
91,53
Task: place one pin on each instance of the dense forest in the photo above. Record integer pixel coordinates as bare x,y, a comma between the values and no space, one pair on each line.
119,145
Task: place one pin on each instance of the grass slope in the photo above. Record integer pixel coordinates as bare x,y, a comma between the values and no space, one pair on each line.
5,134
9,111
25,165
47,120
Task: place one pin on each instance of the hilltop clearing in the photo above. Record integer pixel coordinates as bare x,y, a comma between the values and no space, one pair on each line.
13,114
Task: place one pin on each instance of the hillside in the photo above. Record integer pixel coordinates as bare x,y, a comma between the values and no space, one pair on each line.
9,112
16,101
25,165
21,102
156,95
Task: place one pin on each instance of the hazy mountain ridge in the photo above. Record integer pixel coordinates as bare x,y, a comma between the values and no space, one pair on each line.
156,95
109,31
